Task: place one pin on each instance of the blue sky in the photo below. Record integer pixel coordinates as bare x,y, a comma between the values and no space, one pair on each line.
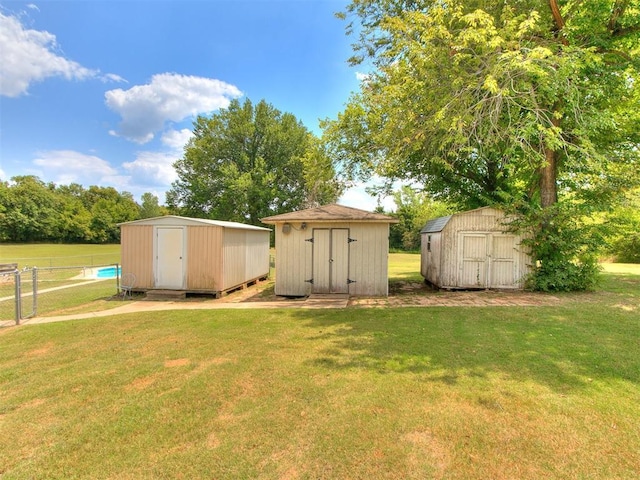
105,92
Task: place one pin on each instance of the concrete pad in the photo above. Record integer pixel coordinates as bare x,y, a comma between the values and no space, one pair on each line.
328,300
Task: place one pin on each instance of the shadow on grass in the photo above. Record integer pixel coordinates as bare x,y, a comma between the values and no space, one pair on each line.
564,348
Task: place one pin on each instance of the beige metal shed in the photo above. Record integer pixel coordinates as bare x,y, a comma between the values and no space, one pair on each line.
193,254
473,249
331,249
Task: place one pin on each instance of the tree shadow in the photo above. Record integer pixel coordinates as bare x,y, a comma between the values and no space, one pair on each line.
558,347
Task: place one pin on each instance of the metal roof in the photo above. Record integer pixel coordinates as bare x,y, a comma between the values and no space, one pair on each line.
175,219
330,213
436,225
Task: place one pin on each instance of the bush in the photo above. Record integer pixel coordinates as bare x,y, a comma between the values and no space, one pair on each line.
564,251
627,249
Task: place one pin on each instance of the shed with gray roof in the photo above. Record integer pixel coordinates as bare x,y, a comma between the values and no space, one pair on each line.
473,249
193,254
331,249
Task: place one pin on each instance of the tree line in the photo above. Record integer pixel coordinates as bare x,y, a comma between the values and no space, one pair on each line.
34,211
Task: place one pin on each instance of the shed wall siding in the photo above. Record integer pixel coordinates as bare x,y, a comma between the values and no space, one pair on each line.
369,259
293,261
487,222
136,249
367,264
204,259
257,255
234,260
431,261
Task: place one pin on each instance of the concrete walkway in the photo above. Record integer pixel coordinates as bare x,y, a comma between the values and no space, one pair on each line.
314,301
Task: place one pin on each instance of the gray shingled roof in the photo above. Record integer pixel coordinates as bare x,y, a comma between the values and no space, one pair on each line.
330,213
436,225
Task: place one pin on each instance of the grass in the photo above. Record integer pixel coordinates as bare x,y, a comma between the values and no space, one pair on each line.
443,392
59,255
404,267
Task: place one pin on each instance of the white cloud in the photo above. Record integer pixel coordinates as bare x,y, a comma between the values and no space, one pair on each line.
177,139
362,77
152,168
155,168
30,56
112,77
357,197
168,97
67,166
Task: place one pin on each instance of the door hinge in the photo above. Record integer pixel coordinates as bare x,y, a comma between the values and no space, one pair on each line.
349,281
310,240
349,240
309,281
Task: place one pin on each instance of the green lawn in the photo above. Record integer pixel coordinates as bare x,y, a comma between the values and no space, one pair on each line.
442,392
58,255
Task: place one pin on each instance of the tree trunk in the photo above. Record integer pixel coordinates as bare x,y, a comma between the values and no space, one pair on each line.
548,187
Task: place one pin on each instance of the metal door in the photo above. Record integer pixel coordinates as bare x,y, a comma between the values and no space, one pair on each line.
170,257
330,260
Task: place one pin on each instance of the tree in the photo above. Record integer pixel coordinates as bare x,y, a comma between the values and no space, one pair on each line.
150,207
623,229
413,209
247,162
108,209
30,211
515,103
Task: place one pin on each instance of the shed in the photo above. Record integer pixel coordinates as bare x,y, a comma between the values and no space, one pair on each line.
473,249
192,254
331,249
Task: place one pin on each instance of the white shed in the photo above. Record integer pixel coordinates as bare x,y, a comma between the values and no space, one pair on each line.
473,249
193,254
331,249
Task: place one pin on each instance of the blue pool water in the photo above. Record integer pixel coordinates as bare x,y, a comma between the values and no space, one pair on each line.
108,272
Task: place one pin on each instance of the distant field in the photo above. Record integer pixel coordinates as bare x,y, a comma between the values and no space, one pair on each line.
58,255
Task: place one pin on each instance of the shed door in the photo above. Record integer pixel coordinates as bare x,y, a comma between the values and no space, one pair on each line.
488,260
170,257
503,261
330,260
473,260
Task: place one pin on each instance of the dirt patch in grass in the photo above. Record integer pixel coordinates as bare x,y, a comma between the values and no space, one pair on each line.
177,362
38,352
141,383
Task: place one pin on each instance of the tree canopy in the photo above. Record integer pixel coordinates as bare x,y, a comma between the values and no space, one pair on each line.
494,102
34,211
250,161
527,104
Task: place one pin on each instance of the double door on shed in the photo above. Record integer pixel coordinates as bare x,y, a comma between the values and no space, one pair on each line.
170,257
487,260
331,260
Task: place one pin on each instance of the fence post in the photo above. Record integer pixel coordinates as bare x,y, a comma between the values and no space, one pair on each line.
16,276
34,276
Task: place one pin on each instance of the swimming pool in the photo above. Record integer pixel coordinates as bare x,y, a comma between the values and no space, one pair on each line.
108,272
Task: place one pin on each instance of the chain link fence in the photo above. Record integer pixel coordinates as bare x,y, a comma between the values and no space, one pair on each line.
36,291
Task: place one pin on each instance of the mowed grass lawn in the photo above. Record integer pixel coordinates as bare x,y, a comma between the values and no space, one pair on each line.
361,393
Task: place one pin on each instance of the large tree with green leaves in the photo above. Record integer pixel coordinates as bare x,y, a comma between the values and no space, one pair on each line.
251,161
482,100
515,102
